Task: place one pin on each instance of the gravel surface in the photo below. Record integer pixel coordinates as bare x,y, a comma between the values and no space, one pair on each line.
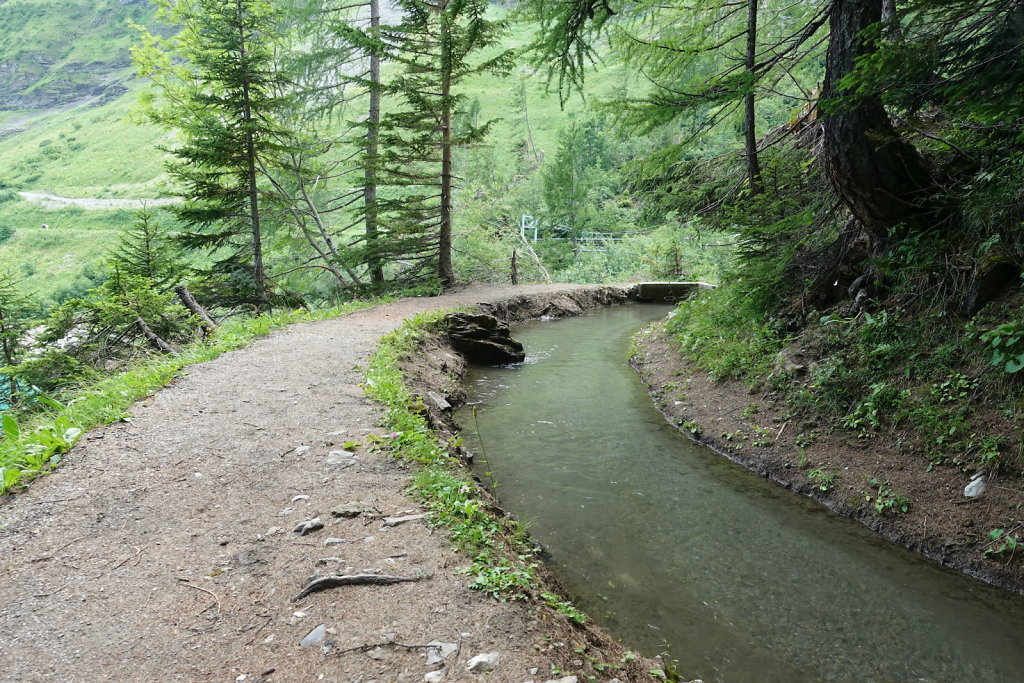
163,548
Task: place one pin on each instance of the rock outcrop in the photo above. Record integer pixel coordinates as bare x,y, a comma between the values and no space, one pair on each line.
483,339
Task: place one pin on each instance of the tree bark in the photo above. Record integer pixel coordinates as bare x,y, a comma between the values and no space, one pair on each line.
153,338
749,110
189,301
881,177
370,168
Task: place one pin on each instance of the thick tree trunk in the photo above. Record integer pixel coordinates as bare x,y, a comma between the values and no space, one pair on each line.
880,176
749,110
370,169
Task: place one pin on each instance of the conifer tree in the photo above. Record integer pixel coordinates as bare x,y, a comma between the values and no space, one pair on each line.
216,78
15,309
408,155
146,250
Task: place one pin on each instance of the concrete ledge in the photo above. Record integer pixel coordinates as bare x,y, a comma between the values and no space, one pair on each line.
666,291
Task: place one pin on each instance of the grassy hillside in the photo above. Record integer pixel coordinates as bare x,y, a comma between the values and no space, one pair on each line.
55,53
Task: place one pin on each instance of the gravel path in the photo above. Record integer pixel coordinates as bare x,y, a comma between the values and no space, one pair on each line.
52,201
162,548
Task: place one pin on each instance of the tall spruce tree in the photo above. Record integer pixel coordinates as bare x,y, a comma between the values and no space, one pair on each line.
216,80
410,152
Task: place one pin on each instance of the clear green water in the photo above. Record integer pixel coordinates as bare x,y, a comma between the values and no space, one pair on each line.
669,545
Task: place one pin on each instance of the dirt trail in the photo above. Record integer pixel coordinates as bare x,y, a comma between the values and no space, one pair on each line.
151,554
52,201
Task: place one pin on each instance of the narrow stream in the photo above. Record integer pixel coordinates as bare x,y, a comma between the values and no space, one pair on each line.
671,546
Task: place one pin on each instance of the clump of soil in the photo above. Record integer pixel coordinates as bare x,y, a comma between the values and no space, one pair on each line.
841,469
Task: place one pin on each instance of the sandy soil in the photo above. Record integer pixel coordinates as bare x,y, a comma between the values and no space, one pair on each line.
750,427
162,549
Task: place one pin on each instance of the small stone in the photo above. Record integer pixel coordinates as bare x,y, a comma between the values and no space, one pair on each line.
314,637
395,521
301,450
296,499
435,676
344,458
439,401
273,530
335,541
350,510
484,662
976,487
340,432
564,679
299,615
534,671
376,653
308,527
437,651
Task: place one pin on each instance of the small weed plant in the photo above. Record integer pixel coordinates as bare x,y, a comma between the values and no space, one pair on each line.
884,499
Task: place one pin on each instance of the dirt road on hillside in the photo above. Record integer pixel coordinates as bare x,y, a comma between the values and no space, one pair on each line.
162,549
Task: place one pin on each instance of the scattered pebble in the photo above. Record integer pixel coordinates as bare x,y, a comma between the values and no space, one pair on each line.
565,679
273,530
483,662
296,499
350,510
437,651
976,487
435,676
376,653
335,541
314,637
324,561
301,450
395,521
308,527
343,458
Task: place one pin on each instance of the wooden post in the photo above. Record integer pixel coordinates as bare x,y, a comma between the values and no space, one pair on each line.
515,268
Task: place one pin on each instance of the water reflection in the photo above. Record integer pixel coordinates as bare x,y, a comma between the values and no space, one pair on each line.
672,546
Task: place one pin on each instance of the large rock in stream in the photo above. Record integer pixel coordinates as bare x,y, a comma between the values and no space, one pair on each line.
483,339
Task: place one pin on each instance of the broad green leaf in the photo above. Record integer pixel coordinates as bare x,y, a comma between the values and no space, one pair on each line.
11,428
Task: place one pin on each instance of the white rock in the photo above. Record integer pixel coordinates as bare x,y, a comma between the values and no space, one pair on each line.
565,679
484,662
435,676
335,541
437,651
273,530
301,450
314,636
976,487
296,499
